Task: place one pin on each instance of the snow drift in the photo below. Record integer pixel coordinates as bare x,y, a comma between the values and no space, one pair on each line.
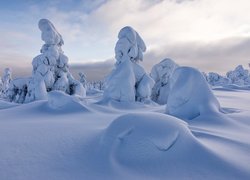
135,139
190,95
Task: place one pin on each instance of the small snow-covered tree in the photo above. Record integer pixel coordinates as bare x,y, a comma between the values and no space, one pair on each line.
128,81
1,86
214,79
161,74
239,76
83,79
6,80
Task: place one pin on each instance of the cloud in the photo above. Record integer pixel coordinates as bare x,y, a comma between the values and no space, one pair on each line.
200,33
219,56
93,71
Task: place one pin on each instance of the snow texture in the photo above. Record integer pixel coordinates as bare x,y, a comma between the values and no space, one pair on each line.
161,73
129,81
190,95
68,139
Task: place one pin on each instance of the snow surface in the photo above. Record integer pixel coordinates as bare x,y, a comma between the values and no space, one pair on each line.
78,138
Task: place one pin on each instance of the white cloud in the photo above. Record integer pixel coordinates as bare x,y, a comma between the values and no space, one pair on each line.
173,28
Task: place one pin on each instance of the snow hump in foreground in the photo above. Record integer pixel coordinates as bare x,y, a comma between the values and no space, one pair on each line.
190,95
141,138
58,100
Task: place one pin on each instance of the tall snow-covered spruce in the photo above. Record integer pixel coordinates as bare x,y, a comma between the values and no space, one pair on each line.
129,81
50,70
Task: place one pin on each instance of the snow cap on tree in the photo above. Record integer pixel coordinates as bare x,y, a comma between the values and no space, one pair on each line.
136,44
49,33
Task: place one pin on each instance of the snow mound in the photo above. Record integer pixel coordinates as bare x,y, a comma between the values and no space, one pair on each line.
58,100
190,95
142,138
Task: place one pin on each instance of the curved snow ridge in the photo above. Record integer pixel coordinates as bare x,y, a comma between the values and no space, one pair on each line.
58,100
139,138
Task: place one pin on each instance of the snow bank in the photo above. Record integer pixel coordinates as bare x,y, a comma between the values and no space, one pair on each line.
161,74
58,100
190,95
140,139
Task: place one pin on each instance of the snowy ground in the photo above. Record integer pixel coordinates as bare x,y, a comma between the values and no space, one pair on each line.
83,140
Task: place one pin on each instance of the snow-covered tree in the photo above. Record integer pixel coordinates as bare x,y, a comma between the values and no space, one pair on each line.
6,80
239,76
50,68
129,81
214,79
83,79
161,74
18,90
1,86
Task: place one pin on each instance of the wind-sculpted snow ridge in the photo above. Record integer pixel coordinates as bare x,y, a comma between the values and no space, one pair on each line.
128,81
190,95
50,70
161,74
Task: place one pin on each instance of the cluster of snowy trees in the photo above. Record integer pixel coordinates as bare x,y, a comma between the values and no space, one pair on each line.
239,76
128,81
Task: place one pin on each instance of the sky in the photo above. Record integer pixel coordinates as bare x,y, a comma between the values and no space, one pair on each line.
212,35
